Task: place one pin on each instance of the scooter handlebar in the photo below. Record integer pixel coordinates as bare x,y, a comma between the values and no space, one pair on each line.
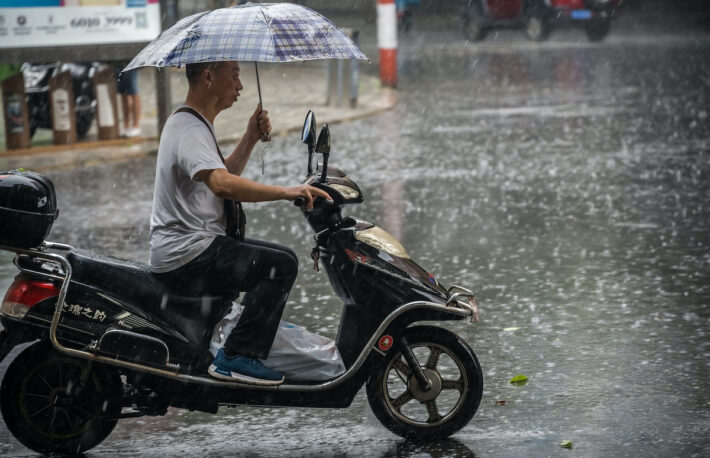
301,201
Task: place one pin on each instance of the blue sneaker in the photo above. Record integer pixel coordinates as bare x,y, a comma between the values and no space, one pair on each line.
243,369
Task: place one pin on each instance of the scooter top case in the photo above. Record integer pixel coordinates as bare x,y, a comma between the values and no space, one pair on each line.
28,208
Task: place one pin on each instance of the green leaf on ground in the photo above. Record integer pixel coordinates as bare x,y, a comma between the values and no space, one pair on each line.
519,380
566,444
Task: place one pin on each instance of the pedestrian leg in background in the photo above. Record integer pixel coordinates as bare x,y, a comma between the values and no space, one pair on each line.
130,103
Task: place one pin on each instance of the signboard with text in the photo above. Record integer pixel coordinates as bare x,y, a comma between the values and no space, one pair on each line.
43,23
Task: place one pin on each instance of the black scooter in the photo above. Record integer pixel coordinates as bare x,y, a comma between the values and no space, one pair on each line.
113,343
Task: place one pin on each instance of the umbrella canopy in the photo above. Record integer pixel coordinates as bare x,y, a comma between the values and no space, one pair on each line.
264,32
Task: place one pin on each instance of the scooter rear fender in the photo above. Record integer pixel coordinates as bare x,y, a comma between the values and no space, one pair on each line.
13,334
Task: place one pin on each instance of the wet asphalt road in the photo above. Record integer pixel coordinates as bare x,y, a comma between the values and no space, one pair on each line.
567,183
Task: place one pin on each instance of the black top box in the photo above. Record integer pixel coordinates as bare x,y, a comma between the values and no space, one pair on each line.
28,208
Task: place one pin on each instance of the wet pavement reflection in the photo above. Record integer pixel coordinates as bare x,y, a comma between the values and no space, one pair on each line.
569,187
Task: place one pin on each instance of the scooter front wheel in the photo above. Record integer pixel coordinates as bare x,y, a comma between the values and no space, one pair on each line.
456,379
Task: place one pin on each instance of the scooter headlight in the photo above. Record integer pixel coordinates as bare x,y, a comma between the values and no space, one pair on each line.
382,240
347,192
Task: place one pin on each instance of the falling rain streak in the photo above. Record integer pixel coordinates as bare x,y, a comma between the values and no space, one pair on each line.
568,185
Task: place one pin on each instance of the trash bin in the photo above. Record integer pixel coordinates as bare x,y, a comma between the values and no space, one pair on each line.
61,97
17,122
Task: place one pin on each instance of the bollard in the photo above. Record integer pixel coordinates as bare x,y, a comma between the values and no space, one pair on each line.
354,72
335,75
163,95
329,77
162,79
340,82
105,93
61,101
387,41
17,121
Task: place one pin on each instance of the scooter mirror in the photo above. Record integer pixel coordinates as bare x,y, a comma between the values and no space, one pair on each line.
308,135
323,147
323,144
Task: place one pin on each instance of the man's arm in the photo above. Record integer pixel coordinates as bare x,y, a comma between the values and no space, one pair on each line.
228,186
259,123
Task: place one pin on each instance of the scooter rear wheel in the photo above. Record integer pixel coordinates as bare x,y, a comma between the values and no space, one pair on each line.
53,403
453,370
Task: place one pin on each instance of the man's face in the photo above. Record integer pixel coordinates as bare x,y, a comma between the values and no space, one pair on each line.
226,84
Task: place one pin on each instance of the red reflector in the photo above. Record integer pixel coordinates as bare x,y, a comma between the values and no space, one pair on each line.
30,292
385,343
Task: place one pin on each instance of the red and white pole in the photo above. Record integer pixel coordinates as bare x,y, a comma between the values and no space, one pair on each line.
387,41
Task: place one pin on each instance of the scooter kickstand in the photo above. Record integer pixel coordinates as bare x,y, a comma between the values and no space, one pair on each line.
413,364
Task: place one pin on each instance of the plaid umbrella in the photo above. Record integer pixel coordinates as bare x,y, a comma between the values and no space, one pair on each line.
264,32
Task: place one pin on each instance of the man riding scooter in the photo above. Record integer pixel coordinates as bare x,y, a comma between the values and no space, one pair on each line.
197,244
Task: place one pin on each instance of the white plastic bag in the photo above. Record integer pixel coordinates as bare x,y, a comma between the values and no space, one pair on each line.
297,353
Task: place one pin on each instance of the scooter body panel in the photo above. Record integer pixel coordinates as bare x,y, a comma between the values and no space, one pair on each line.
90,313
372,279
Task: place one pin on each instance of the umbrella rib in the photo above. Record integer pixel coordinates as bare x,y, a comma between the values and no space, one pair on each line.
271,31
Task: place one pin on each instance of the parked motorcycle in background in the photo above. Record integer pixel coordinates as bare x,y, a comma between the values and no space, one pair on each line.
37,78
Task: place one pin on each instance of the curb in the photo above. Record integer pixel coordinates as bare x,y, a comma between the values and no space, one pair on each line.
93,153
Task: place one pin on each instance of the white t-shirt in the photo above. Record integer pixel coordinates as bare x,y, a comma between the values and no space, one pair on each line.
187,215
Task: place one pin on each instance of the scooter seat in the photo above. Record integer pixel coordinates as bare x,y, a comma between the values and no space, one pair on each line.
133,283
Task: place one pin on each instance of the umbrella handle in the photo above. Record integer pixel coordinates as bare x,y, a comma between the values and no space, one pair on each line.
265,136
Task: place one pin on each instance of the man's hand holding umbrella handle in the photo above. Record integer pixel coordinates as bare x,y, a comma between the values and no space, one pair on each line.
260,122
264,125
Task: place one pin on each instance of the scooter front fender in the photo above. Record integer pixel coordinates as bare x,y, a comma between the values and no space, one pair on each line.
414,316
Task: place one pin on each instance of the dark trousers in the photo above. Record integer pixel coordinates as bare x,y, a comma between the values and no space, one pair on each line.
266,271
